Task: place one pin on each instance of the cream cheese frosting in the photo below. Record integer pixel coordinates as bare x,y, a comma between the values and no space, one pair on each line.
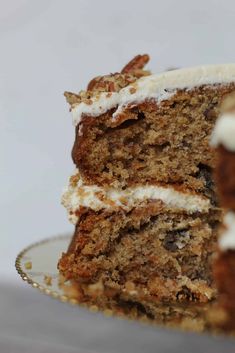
227,239
77,195
224,132
158,87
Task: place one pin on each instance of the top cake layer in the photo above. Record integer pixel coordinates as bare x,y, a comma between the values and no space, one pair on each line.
158,87
153,129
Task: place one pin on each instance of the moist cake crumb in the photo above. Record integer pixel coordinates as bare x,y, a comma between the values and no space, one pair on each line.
143,198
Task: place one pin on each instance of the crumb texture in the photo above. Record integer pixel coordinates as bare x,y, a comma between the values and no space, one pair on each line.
150,255
165,143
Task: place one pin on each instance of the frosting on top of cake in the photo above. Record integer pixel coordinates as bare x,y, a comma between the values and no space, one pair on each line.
158,87
227,239
224,132
77,195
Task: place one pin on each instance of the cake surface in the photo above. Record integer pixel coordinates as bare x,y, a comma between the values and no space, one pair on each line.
142,197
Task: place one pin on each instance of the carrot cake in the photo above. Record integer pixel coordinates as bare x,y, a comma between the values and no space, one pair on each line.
142,196
223,138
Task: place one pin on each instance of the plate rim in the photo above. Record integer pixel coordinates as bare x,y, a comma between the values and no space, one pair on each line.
25,277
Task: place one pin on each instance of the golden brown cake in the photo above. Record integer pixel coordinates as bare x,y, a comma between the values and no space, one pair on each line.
223,138
142,197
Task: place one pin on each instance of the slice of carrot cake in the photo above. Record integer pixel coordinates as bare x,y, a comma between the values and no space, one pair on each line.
142,197
223,138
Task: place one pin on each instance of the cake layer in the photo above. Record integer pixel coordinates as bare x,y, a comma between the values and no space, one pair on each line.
78,196
188,316
151,254
158,87
152,141
223,138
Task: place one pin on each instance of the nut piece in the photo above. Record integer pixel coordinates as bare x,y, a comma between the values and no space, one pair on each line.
72,98
137,63
110,83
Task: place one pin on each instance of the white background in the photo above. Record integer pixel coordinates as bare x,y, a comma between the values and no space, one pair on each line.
49,46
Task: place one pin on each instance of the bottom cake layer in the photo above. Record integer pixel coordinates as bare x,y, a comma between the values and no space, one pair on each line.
149,256
187,315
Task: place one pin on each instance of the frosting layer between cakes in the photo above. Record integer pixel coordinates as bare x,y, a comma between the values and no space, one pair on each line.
77,195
